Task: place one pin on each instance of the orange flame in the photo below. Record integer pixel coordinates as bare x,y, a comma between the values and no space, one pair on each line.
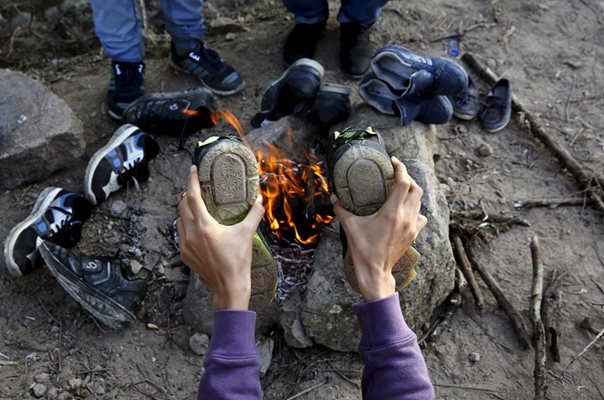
189,113
228,117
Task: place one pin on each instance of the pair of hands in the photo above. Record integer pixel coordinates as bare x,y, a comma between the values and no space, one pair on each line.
222,255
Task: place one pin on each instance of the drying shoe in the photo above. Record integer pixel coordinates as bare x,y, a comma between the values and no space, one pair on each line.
423,108
123,161
207,66
97,283
177,114
355,49
228,176
465,104
127,83
292,94
411,73
331,106
497,107
57,216
301,42
362,177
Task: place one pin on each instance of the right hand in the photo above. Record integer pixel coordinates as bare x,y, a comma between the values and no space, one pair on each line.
376,242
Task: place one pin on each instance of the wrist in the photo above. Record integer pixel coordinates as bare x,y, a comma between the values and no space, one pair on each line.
232,298
377,288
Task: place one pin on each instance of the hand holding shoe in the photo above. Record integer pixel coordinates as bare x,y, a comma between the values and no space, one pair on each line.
377,241
221,255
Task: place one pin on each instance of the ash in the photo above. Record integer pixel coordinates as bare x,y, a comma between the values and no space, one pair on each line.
294,265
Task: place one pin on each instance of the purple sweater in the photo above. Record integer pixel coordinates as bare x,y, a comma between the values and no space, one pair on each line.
394,365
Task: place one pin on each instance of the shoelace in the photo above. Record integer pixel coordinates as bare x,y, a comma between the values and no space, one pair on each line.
129,175
54,228
212,57
130,79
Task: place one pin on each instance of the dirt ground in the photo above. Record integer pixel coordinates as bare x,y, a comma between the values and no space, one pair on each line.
551,51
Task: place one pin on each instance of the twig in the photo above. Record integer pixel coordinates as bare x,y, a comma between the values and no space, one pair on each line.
553,202
498,219
534,127
539,336
598,336
551,312
464,264
460,33
341,375
570,94
310,389
504,303
465,387
593,10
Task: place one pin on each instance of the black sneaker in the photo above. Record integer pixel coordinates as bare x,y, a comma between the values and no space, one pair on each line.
213,72
292,94
465,104
57,216
362,176
301,42
355,49
228,175
177,114
497,107
331,106
127,83
97,283
121,162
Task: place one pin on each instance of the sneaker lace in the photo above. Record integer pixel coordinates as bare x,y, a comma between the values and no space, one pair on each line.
130,174
130,77
63,222
211,56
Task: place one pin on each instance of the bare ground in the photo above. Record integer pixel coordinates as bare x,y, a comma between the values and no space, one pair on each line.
551,53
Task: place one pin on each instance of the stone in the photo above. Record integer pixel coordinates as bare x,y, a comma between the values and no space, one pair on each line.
118,206
39,390
39,133
474,357
222,25
484,150
293,330
199,343
64,396
135,266
52,394
265,348
99,390
42,378
74,383
326,309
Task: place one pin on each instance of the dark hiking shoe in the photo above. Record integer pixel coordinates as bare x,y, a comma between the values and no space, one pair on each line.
355,49
57,216
122,162
176,114
497,107
411,73
228,176
362,176
127,83
423,108
465,103
301,42
97,283
292,94
332,105
205,64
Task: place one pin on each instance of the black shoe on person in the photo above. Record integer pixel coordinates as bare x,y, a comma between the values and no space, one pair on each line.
497,107
97,283
301,42
122,162
355,49
57,216
207,66
127,83
176,114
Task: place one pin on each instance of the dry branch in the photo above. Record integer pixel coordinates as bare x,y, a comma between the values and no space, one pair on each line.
553,203
588,180
504,303
539,336
598,336
466,268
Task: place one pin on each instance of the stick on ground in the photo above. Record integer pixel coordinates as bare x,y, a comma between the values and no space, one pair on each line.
466,268
539,336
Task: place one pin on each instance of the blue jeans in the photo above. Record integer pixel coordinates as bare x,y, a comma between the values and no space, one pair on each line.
365,12
117,26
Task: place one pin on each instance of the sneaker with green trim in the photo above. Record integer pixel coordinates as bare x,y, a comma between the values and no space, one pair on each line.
362,177
228,176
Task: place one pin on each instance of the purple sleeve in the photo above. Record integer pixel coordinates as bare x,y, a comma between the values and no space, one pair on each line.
394,364
232,365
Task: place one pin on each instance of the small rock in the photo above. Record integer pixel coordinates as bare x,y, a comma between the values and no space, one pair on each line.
199,343
223,25
52,394
135,266
99,390
135,251
265,351
39,390
484,150
75,383
230,36
118,207
474,357
42,378
64,396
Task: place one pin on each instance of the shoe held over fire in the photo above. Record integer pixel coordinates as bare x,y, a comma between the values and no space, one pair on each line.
292,94
97,283
497,107
122,162
228,176
57,216
362,178
176,114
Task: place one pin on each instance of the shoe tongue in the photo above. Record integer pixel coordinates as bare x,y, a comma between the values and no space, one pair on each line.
407,110
418,81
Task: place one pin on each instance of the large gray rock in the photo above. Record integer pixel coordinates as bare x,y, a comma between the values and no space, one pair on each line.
39,133
327,314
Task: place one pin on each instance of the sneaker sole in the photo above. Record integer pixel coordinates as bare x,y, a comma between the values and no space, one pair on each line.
238,89
228,175
465,117
121,134
114,115
97,303
45,198
372,180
